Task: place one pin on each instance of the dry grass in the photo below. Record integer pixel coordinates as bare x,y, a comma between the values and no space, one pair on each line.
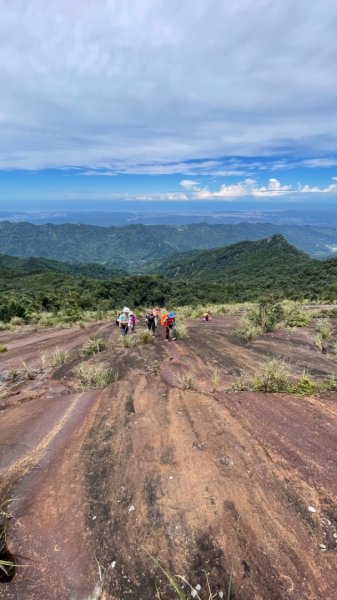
92,346
144,337
129,341
215,379
187,382
59,357
98,375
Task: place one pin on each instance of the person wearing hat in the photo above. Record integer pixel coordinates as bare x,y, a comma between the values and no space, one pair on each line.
169,322
123,321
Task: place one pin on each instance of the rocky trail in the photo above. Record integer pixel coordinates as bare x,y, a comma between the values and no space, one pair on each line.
166,463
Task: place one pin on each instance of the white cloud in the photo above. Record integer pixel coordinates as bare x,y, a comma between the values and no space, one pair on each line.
105,85
242,189
329,189
248,187
188,184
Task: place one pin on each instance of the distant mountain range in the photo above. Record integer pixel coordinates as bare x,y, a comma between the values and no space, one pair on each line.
142,248
240,272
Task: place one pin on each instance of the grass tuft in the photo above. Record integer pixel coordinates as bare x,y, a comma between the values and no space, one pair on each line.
92,346
98,375
272,377
144,337
3,348
215,379
187,382
129,341
249,331
324,329
59,357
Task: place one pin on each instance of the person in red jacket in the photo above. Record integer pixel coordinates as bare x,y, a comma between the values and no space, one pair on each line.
168,321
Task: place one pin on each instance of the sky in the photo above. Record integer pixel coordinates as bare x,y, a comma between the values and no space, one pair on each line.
156,100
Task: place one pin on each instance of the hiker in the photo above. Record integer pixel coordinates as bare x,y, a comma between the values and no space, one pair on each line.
151,321
123,321
156,315
168,320
132,322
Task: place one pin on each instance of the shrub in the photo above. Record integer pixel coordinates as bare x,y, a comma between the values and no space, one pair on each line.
305,385
98,375
92,346
3,348
248,330
267,314
297,318
273,377
59,357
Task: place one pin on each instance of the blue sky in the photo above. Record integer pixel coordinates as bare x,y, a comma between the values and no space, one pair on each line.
155,100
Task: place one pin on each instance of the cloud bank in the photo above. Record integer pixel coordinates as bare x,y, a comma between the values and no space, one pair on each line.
146,86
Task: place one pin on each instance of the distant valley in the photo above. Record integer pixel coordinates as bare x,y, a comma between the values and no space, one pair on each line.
141,248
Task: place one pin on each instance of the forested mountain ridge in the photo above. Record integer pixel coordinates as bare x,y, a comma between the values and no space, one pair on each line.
241,272
16,266
242,261
138,248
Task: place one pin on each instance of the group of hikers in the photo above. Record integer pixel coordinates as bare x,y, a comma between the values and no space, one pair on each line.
127,322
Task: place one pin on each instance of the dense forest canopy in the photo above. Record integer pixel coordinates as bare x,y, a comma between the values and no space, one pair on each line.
241,272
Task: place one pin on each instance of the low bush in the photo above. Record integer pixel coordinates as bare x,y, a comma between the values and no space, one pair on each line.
248,330
297,318
305,385
274,377
3,348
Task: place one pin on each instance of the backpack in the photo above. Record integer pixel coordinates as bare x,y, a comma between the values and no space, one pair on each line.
163,319
123,320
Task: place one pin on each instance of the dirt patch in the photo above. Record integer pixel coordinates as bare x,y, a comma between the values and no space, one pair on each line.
238,486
